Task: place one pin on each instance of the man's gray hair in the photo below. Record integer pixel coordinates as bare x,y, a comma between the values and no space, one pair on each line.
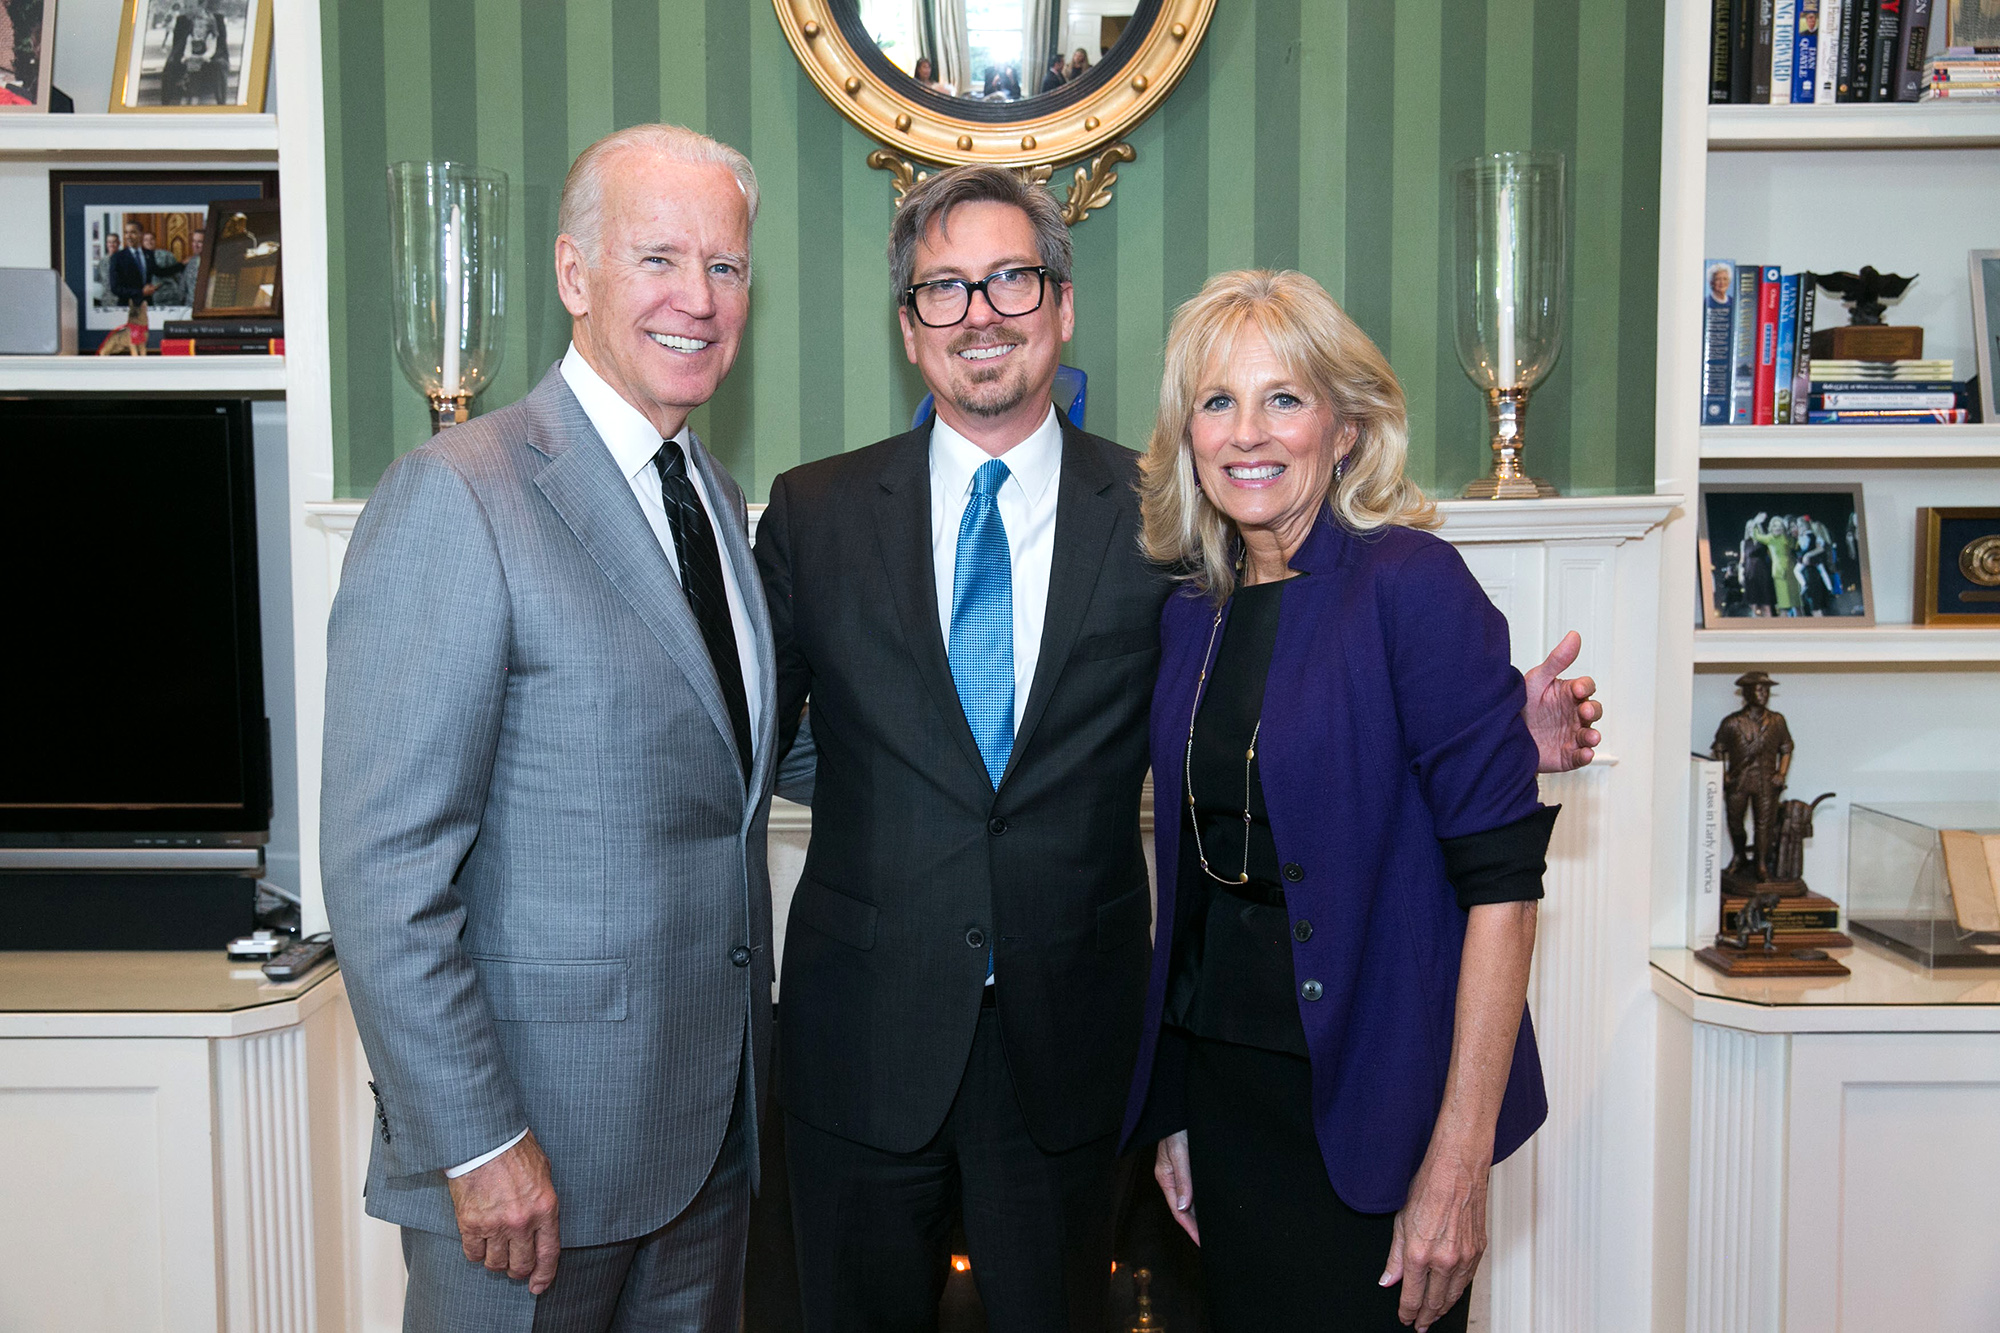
581,215
933,199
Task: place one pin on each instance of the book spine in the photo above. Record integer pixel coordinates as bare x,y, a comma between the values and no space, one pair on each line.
1844,80
1717,340
1888,386
1784,29
1831,14
1718,51
1805,53
1760,54
1834,400
1861,87
1705,850
1943,416
222,347
1884,77
1802,348
1742,46
223,328
1913,50
1743,346
1764,404
1788,337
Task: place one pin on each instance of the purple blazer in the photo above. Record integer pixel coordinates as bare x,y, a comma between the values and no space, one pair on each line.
1392,718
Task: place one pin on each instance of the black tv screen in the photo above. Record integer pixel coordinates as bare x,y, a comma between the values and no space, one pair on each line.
131,682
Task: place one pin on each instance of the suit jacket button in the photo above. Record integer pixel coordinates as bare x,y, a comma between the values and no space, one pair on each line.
976,938
1311,990
1303,931
996,826
740,956
1294,872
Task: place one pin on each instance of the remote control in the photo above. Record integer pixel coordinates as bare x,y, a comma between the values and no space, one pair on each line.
301,958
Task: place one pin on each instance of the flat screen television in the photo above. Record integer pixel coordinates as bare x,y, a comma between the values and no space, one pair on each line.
132,727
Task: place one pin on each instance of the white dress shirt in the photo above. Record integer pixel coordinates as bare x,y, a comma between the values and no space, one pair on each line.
1027,501
633,442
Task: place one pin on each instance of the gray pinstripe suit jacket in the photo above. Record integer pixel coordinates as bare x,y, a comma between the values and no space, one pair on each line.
538,849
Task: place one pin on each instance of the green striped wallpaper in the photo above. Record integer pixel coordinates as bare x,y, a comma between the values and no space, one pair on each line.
1311,134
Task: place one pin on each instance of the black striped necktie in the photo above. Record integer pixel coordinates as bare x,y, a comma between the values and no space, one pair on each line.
701,579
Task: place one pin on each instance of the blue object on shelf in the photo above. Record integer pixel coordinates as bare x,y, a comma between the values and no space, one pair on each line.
1071,387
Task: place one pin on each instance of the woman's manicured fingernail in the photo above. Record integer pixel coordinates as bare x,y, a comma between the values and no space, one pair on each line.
1382,1281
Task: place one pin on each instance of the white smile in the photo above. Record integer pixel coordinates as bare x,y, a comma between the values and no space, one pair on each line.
677,343
986,353
1260,472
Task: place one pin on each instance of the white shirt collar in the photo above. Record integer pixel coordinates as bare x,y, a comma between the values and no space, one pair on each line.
1033,463
623,427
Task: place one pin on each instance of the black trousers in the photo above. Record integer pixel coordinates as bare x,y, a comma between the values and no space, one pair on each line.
1279,1250
873,1226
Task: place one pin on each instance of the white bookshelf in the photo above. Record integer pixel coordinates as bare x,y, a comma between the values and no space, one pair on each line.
1867,645
1850,444
139,136
143,374
1895,125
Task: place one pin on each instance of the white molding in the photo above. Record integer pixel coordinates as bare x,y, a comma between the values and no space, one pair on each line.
1786,1015
1913,445
1863,643
143,374
142,136
1614,518
1736,1173
264,1180
1903,125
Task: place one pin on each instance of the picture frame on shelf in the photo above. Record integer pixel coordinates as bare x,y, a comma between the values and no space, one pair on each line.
1984,274
1783,557
207,57
1972,23
243,278
1958,566
91,213
27,64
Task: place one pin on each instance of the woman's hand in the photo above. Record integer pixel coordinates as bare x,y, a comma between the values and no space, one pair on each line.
1170,1168
1559,712
1440,1235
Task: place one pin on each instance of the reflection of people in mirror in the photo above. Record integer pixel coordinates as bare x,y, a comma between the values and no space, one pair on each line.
1054,77
1079,64
926,74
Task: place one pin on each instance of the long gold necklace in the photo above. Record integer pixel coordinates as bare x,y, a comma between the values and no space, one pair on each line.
1187,769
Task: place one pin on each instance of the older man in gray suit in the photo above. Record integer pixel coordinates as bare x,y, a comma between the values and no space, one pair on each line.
549,758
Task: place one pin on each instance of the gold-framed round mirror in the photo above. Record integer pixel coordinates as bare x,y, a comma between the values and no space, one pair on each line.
954,81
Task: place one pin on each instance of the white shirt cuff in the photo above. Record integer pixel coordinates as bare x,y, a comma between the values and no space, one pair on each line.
484,1158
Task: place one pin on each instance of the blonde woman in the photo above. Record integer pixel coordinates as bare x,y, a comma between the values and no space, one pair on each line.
1336,1047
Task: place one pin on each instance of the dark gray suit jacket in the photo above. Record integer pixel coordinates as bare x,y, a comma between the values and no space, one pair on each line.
917,864
539,850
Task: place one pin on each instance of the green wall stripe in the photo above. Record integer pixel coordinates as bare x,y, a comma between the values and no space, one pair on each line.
820,285
775,86
1231,48
1414,222
545,158
368,442
729,421
1322,136
454,74
1594,324
1459,414
1094,348
1276,160
870,344
635,62
590,56
1547,429
1371,50
1184,161
1510,75
1638,290
502,146
1138,211
683,57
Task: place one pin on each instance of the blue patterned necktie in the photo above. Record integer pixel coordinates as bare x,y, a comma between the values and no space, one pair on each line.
982,621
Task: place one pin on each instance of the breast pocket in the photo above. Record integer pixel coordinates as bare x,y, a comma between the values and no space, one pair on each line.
553,990
1118,643
834,914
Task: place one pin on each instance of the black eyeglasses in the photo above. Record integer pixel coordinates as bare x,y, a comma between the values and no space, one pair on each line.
943,302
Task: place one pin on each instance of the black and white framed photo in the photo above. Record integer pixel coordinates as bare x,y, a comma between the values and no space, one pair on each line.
27,53
123,238
192,55
1985,276
1782,557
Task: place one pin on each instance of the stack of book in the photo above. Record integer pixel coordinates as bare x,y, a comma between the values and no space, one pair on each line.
1819,51
1965,74
1757,324
1884,393
223,337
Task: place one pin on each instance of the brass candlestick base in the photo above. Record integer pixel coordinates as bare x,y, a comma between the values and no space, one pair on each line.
1506,409
449,409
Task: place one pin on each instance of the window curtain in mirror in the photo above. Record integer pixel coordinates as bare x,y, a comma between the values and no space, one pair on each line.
946,41
1041,36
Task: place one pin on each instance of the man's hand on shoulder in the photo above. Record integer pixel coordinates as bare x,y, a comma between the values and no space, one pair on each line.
507,1215
1559,712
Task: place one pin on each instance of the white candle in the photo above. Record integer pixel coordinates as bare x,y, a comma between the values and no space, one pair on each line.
1507,368
454,297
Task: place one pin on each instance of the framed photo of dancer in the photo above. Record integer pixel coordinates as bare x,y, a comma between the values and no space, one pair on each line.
1784,557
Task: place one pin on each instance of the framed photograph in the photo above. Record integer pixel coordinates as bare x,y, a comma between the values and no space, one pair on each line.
121,237
27,53
241,277
1973,23
192,55
1958,567
1783,557
1985,266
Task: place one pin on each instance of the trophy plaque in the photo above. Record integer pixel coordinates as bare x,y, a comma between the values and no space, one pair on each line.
1865,337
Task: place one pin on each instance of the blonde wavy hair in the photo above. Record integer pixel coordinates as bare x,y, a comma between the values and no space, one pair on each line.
1332,359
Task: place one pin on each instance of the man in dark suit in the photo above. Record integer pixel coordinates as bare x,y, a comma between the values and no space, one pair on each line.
966,608
135,272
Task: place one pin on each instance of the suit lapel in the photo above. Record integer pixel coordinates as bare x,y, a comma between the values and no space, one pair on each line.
582,482
1086,516
903,535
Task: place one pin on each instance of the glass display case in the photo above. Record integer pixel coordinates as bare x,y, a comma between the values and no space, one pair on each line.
1922,879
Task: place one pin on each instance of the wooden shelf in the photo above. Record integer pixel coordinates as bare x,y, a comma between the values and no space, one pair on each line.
1850,444
142,374
139,135
1866,644
1898,125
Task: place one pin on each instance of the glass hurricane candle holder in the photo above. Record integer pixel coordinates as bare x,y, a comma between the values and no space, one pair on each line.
1512,280
448,261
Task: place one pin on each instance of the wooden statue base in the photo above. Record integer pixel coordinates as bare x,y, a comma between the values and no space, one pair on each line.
1738,885
1869,342
1731,961
1807,939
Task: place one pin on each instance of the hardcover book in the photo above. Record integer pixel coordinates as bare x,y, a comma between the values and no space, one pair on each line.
1884,77
1742,48
1743,347
1805,53
1718,354
1788,337
1913,50
1831,16
1784,29
1802,349
1760,54
1861,86
1764,403
1708,850
1718,51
